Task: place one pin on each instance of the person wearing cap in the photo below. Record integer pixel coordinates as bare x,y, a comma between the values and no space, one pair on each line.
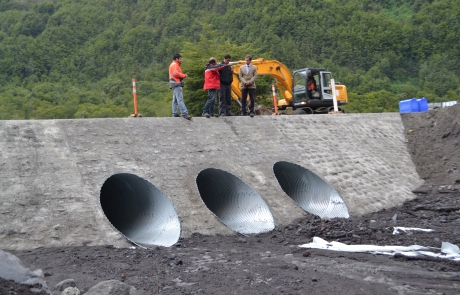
212,85
226,79
176,83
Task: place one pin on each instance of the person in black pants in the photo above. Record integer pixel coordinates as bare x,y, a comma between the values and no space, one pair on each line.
247,76
226,79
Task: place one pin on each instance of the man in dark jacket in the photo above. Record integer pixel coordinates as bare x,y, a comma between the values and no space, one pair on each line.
226,79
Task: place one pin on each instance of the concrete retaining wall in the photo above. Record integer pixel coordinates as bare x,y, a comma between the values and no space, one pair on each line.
51,172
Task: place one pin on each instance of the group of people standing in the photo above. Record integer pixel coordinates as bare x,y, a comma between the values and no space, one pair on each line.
217,78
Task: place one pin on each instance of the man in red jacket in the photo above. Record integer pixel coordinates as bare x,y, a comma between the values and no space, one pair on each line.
212,85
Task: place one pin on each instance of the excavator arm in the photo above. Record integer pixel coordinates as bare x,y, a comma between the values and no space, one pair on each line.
272,68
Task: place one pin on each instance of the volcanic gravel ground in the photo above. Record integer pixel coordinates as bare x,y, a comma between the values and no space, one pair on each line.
272,263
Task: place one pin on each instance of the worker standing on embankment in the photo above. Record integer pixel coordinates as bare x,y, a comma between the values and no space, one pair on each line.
248,75
176,82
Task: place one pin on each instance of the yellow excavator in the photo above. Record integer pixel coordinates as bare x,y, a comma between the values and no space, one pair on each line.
296,97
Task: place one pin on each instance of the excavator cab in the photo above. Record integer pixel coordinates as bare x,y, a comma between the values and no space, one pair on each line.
307,86
316,99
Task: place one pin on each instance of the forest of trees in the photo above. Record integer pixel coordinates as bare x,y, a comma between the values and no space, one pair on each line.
76,58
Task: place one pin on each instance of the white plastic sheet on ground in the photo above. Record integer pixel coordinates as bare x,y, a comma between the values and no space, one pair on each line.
397,229
447,250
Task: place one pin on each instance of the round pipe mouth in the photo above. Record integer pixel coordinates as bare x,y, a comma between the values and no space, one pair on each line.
310,191
139,211
233,202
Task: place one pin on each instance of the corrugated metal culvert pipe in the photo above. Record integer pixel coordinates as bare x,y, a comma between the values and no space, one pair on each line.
139,211
233,202
310,191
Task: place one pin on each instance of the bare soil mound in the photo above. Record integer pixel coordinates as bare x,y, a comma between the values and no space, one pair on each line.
434,143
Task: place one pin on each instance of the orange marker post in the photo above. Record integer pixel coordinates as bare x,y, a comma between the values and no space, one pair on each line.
135,98
275,102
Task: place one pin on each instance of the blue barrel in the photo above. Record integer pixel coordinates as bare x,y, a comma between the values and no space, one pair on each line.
408,106
422,104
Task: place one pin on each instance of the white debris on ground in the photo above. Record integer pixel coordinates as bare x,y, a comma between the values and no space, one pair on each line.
447,251
406,229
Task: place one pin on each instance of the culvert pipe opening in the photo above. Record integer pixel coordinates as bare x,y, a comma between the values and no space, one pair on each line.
233,202
139,211
310,191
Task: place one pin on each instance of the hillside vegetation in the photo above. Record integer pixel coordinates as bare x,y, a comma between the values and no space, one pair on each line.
76,59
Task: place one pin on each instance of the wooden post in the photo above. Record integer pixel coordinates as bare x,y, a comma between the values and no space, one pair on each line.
275,102
334,98
135,98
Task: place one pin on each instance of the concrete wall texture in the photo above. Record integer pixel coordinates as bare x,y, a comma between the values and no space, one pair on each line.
52,171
